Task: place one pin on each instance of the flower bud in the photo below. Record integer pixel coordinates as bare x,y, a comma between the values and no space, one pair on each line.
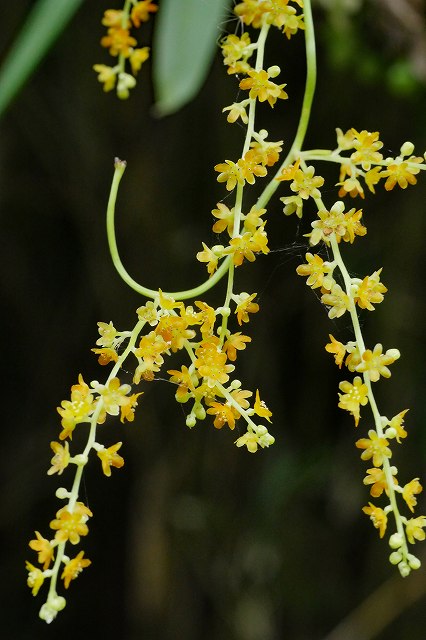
407,149
395,541
395,557
274,71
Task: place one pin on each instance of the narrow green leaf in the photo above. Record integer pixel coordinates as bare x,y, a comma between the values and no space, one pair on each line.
44,24
184,44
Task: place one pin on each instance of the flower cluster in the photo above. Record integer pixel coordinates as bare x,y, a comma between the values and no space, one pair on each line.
123,46
341,293
204,380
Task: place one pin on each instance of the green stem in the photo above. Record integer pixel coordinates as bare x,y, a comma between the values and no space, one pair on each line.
120,166
311,77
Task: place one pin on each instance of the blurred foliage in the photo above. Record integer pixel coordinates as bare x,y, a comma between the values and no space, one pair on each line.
194,538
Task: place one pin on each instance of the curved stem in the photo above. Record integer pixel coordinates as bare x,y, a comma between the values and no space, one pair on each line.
120,166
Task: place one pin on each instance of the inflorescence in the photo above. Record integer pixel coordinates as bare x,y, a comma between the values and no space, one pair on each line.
210,339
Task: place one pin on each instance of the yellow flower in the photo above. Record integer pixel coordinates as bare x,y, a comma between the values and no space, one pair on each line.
252,12
106,355
250,167
224,414
370,291
61,458
409,491
375,362
414,529
208,256
186,382
267,152
127,411
305,184
235,342
110,458
249,440
44,549
260,408
35,578
354,396
366,147
236,110
70,526
319,272
397,423
141,10
230,173
401,172
76,410
375,448
73,568
137,58
253,219
329,222
262,88
108,335
113,18
118,41
377,479
337,348
353,225
225,219
106,75
211,362
236,52
378,517
113,396
245,305
337,300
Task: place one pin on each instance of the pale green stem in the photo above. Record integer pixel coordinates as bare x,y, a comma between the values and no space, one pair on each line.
373,404
311,76
73,497
120,166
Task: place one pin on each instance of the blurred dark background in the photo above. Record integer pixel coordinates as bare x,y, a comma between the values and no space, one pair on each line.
196,539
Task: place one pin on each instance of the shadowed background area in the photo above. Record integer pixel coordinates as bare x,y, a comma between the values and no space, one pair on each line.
195,539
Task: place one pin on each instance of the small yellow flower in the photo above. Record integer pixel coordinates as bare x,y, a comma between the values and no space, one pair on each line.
225,219
127,411
378,517
235,342
400,172
366,145
377,479
141,10
375,448
414,529
137,58
375,362
110,458
61,458
44,549
354,396
70,526
106,75
410,491
35,578
319,272
337,349
370,291
337,300
118,41
245,305
224,414
230,173
397,423
73,568
260,408
262,88
306,184
236,110
106,355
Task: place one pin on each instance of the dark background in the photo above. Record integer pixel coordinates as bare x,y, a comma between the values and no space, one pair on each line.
195,538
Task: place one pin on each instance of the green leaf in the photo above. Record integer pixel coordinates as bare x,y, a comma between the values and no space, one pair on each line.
184,44
44,24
